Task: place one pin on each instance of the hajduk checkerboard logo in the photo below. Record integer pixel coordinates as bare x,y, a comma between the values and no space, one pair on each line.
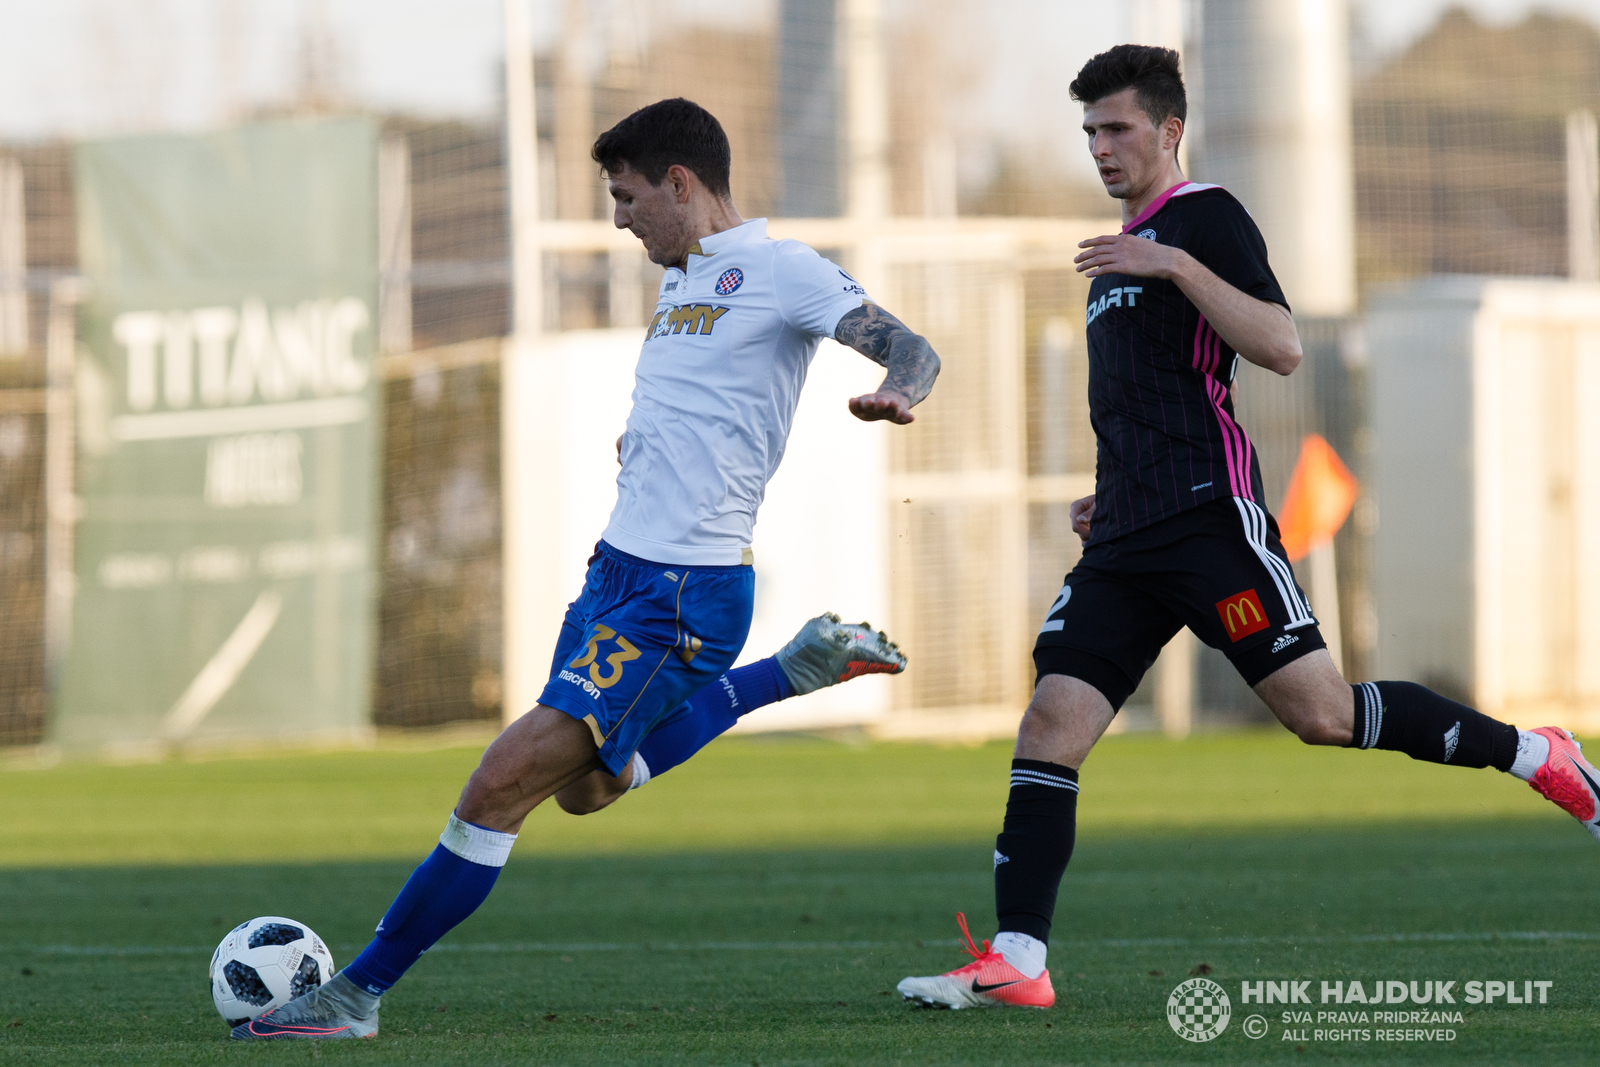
729,280
1199,1010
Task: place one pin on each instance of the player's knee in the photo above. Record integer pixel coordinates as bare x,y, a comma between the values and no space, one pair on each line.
1041,721
1321,726
483,795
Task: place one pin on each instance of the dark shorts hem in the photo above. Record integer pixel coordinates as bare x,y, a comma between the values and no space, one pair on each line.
1113,683
1256,664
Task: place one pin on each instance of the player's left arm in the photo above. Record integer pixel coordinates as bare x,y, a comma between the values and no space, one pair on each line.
910,360
1259,330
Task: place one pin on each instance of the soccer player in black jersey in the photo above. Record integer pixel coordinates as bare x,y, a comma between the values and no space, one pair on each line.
1177,532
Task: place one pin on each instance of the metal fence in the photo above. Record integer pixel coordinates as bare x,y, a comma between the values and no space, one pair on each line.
1460,156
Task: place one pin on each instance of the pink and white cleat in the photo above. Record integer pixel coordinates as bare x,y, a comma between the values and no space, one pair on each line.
1568,780
987,982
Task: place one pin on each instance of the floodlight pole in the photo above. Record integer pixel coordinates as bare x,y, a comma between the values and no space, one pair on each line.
1583,196
61,501
528,456
866,111
522,158
866,122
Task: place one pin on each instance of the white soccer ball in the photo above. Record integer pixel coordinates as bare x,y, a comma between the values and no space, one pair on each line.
264,964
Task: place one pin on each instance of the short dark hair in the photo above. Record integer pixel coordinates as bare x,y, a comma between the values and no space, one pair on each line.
1153,72
664,134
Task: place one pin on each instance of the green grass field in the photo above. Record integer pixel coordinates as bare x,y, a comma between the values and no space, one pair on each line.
758,905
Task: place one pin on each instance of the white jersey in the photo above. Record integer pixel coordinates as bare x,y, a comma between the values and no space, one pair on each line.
715,391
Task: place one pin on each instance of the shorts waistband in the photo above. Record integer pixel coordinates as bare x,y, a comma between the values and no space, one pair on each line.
606,548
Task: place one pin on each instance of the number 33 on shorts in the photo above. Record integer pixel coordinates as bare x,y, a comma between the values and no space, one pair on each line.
625,652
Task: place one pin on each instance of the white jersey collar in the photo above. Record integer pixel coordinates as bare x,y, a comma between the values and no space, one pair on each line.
754,230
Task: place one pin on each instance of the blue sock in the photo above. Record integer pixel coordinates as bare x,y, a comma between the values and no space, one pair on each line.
714,709
444,890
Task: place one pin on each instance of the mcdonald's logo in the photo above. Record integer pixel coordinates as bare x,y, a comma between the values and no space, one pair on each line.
1242,614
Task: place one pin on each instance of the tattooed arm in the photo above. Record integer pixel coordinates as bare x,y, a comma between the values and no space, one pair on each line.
911,362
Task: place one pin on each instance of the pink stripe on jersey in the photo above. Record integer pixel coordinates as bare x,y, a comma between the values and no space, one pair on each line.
1155,205
1235,443
1207,347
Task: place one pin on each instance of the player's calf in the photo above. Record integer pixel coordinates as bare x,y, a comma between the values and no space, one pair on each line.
1406,717
599,789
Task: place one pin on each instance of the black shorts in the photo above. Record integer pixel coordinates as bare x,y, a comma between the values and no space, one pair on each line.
1218,569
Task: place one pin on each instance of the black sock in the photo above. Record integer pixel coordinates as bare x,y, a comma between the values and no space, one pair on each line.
1406,717
1032,851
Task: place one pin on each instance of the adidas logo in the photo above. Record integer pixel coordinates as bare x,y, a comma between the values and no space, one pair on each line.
1452,736
1283,642
1000,857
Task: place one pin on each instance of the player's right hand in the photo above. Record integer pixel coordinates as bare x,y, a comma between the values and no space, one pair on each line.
882,405
1081,511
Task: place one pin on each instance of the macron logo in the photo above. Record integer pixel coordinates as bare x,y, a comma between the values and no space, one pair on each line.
583,683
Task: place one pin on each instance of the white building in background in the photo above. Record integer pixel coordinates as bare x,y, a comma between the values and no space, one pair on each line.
1486,471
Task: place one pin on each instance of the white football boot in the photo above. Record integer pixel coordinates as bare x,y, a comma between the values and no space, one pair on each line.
336,1010
826,652
987,982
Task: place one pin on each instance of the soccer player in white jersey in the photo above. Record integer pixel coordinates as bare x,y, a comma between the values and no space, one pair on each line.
667,602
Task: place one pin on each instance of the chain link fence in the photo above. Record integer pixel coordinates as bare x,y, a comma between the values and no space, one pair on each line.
1460,164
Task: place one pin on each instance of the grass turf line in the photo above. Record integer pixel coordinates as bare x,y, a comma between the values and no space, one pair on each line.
1186,853
737,793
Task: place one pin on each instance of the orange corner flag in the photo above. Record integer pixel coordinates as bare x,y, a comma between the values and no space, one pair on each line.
1321,492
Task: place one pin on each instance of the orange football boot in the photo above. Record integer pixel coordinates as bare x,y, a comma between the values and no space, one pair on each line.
987,982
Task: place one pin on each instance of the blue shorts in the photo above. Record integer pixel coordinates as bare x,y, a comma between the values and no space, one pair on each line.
641,639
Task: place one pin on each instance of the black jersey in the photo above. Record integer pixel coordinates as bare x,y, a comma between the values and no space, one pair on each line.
1159,376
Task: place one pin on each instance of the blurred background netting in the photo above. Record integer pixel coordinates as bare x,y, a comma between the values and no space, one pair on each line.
1457,134
1461,146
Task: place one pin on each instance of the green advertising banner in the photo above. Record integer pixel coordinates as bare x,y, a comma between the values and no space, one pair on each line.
227,437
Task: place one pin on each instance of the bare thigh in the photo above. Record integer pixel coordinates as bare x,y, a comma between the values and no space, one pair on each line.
531,759
1064,720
